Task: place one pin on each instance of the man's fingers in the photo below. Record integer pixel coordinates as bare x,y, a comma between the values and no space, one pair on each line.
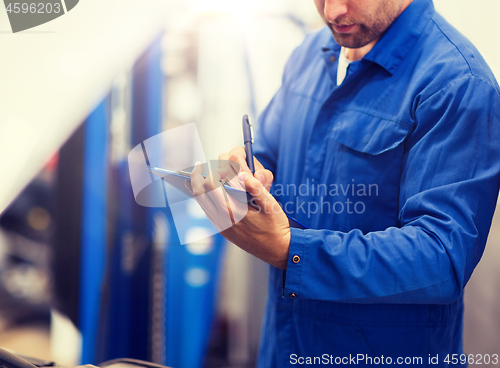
208,193
223,160
236,159
224,163
197,188
197,180
220,173
265,177
259,193
238,156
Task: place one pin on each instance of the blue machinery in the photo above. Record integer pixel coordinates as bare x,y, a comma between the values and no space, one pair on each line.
135,297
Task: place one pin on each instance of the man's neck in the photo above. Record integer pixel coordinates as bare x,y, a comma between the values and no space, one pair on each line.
357,54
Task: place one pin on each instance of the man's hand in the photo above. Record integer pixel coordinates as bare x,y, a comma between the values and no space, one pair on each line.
261,229
235,161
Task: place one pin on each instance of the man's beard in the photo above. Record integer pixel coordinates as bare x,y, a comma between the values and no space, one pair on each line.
386,14
363,36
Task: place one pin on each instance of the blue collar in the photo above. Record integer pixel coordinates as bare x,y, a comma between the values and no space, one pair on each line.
399,38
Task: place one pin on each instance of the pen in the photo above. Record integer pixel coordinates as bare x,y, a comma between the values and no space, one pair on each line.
248,140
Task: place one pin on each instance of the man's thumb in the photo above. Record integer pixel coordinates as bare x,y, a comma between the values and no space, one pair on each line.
256,189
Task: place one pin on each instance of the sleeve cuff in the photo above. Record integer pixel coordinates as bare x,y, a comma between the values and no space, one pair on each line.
296,257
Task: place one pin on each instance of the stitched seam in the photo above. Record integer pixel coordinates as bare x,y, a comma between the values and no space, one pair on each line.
288,89
453,43
467,77
375,116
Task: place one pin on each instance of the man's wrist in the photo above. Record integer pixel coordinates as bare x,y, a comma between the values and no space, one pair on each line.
283,262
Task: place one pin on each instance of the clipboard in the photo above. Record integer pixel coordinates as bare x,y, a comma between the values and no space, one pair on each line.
178,178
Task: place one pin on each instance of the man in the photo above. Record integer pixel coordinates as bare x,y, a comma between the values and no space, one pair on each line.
384,140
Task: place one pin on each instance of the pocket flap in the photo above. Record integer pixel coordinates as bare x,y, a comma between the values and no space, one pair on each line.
367,133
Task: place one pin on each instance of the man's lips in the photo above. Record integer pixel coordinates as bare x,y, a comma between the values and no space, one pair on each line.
343,28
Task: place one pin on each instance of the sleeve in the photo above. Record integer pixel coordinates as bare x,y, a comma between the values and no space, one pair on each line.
269,125
448,192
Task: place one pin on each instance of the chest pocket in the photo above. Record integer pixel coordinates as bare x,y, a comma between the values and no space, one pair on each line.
365,153
368,134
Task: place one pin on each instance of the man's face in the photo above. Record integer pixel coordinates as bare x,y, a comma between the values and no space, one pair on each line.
356,23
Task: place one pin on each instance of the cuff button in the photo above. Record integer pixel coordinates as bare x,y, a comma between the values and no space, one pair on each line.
292,295
295,259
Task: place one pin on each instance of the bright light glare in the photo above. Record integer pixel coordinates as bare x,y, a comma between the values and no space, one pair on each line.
239,9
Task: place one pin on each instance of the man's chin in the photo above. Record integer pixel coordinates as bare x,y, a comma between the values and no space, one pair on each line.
348,40
345,40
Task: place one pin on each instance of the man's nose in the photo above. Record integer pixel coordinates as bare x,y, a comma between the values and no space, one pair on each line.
334,9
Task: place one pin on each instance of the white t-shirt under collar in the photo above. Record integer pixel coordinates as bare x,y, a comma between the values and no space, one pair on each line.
342,67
